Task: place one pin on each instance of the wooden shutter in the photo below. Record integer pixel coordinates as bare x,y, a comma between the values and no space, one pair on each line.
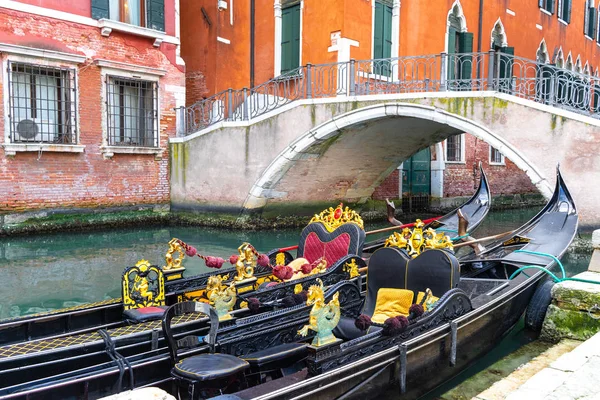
567,17
451,51
290,38
465,45
387,31
155,14
378,31
506,69
100,9
591,22
550,5
586,18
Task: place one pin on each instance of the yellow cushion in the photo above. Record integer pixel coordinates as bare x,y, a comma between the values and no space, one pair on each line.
394,302
391,303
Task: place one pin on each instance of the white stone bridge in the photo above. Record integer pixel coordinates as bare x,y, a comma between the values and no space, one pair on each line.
328,133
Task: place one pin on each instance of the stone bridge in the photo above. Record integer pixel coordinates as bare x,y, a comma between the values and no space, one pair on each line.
313,151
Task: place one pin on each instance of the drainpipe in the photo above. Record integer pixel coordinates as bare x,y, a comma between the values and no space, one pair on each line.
252,6
479,36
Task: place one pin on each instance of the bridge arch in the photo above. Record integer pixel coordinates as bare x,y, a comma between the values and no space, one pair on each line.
267,183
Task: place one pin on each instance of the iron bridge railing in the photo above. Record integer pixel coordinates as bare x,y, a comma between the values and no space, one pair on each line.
495,71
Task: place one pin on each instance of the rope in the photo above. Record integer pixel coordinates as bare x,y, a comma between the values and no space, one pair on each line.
121,361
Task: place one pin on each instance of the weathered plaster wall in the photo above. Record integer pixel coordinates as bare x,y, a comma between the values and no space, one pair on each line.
314,151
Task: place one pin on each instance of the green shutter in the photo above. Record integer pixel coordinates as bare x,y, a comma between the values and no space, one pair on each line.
506,68
596,95
567,16
290,38
378,31
100,9
550,6
592,21
155,14
382,38
451,51
465,45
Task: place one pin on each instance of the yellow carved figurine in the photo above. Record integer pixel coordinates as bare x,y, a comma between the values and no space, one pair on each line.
246,262
173,263
141,286
224,300
215,284
417,241
323,317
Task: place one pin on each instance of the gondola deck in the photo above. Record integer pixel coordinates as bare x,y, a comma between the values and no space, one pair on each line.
41,345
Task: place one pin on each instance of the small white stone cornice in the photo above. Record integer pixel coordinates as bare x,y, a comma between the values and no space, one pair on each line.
41,53
130,67
107,26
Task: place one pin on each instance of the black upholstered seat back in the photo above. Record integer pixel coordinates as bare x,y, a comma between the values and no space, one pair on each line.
387,269
435,269
316,242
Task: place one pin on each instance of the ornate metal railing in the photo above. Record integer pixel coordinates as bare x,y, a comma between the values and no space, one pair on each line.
543,83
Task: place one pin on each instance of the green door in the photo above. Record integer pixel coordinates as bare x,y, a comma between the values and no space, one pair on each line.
416,181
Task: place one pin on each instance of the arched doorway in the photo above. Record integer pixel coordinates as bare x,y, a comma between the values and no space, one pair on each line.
503,63
459,45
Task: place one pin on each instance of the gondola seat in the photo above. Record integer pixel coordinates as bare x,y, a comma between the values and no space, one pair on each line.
272,361
204,373
143,293
330,237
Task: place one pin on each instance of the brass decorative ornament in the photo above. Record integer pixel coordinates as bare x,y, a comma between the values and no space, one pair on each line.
417,240
333,218
352,268
323,317
280,259
172,263
215,284
143,285
246,262
223,301
298,288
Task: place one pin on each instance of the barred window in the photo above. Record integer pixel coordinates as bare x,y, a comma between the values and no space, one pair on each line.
495,156
42,104
454,148
132,112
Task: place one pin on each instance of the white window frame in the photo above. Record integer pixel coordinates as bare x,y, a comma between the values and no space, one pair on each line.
462,151
502,159
115,70
43,58
278,35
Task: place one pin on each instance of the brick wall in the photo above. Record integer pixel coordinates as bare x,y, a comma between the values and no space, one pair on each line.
389,188
33,180
462,179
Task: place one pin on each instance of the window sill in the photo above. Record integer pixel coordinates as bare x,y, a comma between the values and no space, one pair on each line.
288,76
498,164
107,26
546,11
456,162
11,149
563,22
589,38
110,151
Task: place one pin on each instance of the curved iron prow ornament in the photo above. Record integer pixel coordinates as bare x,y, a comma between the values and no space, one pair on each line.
417,240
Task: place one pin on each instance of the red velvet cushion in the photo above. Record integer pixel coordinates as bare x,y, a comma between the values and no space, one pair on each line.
333,250
150,310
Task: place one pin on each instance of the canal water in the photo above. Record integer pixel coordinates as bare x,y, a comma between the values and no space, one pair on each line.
49,271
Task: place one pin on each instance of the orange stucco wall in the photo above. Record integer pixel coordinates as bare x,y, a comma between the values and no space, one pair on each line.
217,66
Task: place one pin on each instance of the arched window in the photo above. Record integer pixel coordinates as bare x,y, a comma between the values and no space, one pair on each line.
543,73
459,45
505,59
590,19
559,59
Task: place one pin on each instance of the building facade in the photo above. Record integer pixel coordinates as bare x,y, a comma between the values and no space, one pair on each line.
88,91
278,36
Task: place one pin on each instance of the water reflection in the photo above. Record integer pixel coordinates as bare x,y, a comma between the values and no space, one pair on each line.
50,271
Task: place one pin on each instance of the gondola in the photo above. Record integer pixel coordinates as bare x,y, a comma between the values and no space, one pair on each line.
108,314
88,355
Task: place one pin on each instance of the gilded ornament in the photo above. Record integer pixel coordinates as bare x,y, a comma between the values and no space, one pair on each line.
333,218
323,317
352,268
174,263
246,262
215,284
417,240
280,259
298,288
223,301
143,286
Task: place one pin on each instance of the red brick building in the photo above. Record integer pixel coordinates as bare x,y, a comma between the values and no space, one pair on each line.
88,91
233,44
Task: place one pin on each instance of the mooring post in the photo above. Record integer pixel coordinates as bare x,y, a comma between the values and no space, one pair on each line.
595,261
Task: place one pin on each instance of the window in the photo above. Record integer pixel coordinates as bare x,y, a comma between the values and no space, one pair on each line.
42,105
290,38
132,112
564,10
454,151
590,16
145,13
382,38
547,5
496,157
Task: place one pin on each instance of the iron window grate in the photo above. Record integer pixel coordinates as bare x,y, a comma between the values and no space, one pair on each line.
132,106
41,103
453,148
495,156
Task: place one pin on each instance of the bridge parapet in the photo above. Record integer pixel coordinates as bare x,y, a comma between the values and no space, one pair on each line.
485,71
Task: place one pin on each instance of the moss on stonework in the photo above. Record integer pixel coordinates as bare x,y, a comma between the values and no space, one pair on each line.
313,115
560,324
499,103
553,121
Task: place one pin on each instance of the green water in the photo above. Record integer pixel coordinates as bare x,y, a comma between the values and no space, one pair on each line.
45,272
